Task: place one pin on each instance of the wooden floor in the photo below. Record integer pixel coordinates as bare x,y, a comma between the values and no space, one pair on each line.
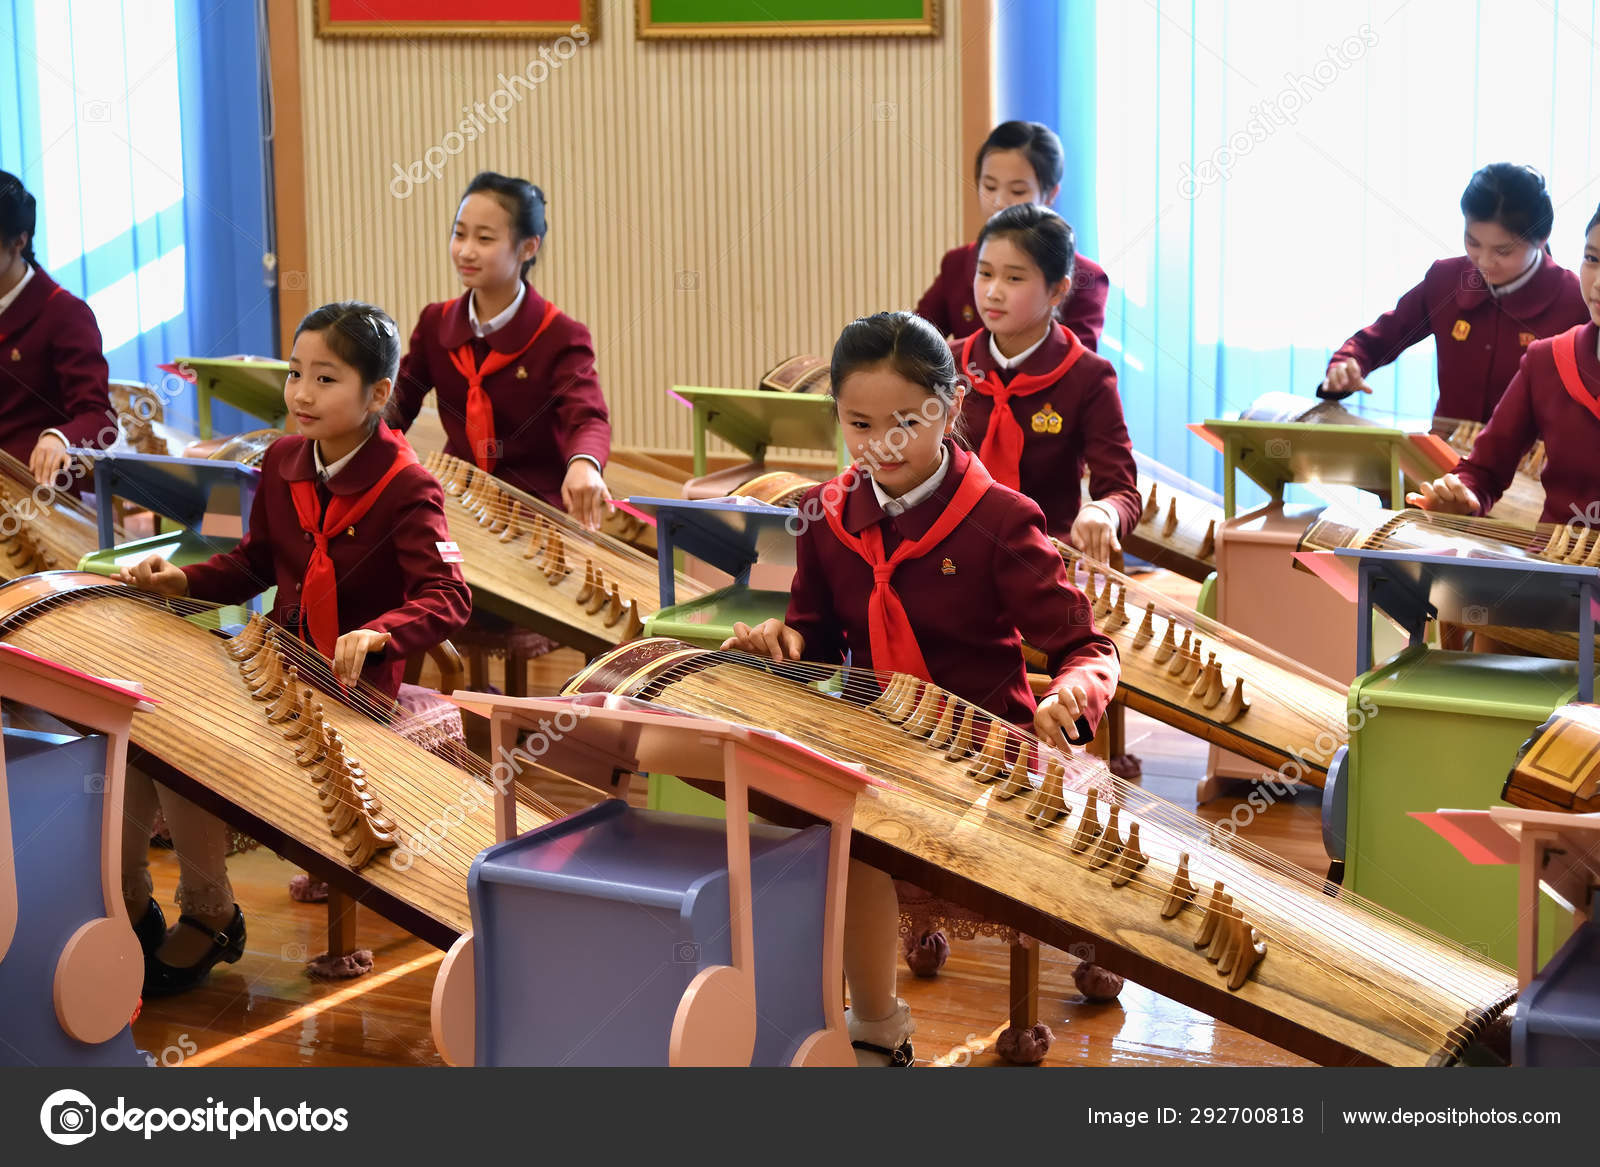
264,1011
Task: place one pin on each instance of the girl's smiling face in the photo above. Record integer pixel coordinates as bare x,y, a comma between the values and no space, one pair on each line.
1498,254
1007,178
1589,273
326,398
893,427
484,246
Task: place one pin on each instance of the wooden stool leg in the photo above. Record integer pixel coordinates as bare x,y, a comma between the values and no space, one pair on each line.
516,673
1116,730
478,669
1024,985
342,913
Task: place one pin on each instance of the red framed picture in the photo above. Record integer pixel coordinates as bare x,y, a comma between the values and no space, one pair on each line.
424,18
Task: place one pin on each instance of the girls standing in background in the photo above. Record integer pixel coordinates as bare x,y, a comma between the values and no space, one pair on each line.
53,378
1043,404
1483,309
516,386
1020,162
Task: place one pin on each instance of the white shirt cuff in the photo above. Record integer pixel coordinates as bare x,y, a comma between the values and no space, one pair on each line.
1105,508
590,458
57,433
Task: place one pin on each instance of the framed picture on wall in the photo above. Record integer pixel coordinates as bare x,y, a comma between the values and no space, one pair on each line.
683,19
421,18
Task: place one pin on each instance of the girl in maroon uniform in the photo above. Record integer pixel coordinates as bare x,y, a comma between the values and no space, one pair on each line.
1555,396
53,378
351,530
1043,404
918,562
1483,309
1020,162
514,376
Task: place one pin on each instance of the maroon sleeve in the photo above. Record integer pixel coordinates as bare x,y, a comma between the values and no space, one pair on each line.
1386,337
81,372
1113,475
1085,310
932,305
245,572
1499,448
414,380
438,601
811,612
1053,615
583,422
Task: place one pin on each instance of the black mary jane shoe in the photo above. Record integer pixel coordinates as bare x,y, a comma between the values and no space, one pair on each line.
151,929
162,979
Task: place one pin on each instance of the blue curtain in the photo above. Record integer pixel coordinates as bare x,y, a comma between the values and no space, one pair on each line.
137,126
1261,179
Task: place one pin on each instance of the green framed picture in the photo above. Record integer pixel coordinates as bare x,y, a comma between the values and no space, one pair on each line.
687,19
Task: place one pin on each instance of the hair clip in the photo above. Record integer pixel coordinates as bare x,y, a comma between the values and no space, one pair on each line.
381,325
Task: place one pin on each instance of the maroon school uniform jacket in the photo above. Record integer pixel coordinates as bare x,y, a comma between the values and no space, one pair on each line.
1480,338
949,307
971,600
1078,421
1537,405
548,407
52,371
391,572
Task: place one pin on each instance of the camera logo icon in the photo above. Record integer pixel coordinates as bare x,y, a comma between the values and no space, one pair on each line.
68,1117
1278,448
686,952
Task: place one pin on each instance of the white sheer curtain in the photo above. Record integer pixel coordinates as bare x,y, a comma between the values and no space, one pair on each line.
1272,176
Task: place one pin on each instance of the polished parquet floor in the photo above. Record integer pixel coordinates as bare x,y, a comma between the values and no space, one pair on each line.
265,1011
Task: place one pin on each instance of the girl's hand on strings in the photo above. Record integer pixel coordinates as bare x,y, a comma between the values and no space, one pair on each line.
48,459
1056,719
771,638
1345,377
350,652
584,494
155,575
1094,532
1447,495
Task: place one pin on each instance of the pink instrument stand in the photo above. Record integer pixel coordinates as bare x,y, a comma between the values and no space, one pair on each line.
715,1023
98,975
1559,850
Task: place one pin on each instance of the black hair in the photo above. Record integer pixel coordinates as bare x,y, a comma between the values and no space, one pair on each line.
523,201
903,341
1512,196
18,213
363,337
1034,139
1043,234
1593,222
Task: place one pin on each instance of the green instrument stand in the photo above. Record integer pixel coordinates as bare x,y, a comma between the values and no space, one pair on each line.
1438,729
189,492
753,420
251,384
730,537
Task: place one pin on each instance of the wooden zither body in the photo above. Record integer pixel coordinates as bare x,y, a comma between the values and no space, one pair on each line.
309,776
1523,500
1206,679
534,565
40,529
1053,845
1177,528
1558,768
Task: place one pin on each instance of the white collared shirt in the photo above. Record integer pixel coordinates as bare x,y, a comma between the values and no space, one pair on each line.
500,319
919,493
1005,362
327,472
1520,281
10,297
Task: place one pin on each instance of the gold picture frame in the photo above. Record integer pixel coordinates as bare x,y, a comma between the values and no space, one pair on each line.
646,28
589,23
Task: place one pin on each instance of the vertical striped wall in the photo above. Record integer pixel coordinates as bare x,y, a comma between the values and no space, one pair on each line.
715,206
